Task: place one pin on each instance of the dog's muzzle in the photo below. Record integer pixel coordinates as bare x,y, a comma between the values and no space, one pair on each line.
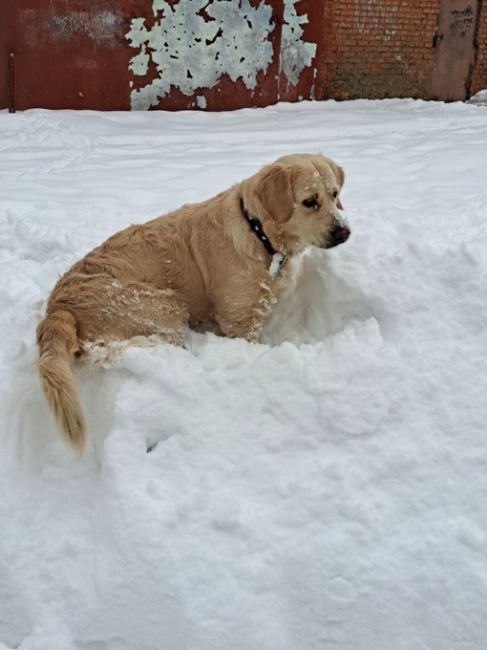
340,231
338,235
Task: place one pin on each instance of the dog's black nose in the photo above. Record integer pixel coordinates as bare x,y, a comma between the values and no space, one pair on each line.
338,235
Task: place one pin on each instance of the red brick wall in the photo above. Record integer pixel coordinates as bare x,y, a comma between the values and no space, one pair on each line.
383,48
479,75
377,48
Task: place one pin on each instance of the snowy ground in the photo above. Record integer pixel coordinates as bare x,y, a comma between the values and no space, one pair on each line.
324,490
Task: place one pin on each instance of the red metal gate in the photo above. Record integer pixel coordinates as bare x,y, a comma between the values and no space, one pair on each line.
145,54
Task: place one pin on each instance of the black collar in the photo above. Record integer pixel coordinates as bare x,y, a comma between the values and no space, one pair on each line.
255,224
256,227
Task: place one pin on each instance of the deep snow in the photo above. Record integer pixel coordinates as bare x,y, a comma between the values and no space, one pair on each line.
326,489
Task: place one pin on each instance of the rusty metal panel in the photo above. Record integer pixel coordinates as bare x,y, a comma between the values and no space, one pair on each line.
453,43
148,54
68,53
301,46
211,55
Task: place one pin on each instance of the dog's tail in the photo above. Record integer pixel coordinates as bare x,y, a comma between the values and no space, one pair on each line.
58,341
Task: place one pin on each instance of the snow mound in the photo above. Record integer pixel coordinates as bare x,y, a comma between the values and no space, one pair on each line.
323,489
479,98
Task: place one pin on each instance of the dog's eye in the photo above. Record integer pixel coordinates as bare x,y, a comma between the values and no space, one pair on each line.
335,194
310,203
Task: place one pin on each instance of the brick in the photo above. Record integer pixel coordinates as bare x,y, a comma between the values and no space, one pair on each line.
374,48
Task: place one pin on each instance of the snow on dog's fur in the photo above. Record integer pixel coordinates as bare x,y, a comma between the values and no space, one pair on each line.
201,263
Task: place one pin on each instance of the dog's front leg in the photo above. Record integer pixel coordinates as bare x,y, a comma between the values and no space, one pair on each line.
249,328
239,317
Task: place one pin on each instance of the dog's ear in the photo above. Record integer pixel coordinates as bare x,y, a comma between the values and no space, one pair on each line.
275,191
340,176
339,173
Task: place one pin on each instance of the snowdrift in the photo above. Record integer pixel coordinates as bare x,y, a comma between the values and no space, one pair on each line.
324,489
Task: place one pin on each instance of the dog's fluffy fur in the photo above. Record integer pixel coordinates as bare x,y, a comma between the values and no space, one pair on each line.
201,263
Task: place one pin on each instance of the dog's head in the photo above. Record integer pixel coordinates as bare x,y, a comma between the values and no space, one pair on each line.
297,198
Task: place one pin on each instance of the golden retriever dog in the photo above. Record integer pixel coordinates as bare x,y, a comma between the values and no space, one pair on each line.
224,261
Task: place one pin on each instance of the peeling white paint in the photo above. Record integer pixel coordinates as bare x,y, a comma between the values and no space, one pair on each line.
201,101
140,62
190,52
296,54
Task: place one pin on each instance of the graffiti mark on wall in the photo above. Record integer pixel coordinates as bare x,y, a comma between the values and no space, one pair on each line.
102,27
193,43
462,20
